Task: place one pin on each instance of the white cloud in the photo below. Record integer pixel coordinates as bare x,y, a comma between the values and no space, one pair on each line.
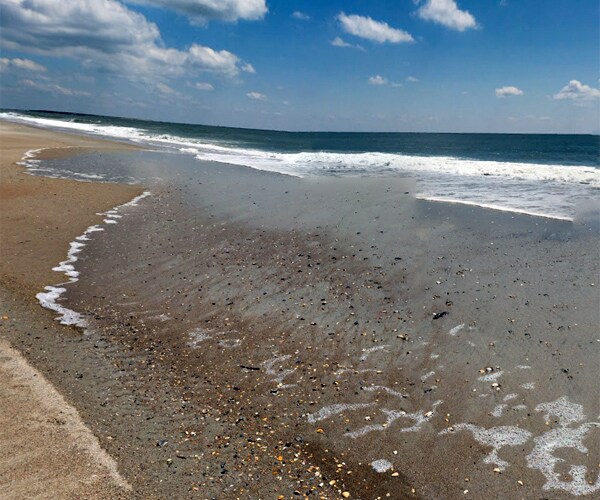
446,13
369,29
248,68
163,88
412,79
204,86
301,16
339,42
54,88
577,91
256,96
26,64
104,34
508,91
201,11
378,80
209,59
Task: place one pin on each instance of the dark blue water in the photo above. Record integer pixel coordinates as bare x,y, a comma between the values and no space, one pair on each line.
547,175
526,148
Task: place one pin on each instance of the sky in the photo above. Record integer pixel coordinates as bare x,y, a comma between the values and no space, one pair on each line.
515,66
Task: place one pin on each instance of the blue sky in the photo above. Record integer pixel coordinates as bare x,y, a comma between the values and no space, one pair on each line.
389,65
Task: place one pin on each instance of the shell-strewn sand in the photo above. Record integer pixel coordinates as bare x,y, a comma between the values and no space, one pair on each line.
254,335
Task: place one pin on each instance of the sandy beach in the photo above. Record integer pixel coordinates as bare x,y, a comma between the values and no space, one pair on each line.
255,335
46,451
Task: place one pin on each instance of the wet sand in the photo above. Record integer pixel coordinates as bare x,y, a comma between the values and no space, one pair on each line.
344,321
254,335
39,217
46,451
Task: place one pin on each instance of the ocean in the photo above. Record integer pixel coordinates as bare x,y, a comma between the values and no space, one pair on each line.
556,176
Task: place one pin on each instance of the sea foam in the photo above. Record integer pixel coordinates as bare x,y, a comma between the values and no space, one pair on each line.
538,189
50,297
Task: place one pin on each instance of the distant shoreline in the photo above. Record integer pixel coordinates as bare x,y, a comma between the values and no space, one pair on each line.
286,131
60,456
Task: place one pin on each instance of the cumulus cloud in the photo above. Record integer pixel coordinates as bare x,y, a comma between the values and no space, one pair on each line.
26,64
412,79
256,96
378,80
446,13
508,91
339,42
301,16
577,91
369,29
202,11
209,59
104,34
204,86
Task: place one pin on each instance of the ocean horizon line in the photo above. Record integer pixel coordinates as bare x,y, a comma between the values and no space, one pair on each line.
288,131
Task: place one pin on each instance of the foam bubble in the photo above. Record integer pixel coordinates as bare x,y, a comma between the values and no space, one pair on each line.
456,329
197,336
371,350
335,409
376,388
565,436
491,377
498,410
49,299
419,418
496,437
381,465
278,375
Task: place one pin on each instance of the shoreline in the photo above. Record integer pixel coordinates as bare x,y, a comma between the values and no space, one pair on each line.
242,305
60,455
35,209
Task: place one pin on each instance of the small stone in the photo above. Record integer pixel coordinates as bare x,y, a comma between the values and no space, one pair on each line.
395,474
497,470
346,494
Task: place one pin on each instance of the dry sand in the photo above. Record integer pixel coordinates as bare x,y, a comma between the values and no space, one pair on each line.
46,451
39,217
